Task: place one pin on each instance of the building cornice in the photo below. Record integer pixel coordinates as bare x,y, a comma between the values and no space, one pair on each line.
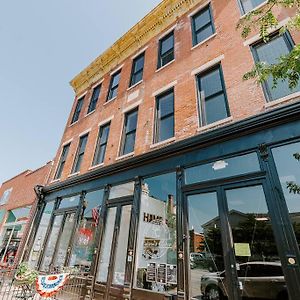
162,16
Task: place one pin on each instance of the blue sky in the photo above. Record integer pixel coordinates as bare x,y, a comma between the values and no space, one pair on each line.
43,45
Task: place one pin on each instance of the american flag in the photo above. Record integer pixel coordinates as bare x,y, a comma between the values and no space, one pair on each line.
95,215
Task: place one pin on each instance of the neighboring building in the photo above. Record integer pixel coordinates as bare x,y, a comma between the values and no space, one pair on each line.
166,106
18,202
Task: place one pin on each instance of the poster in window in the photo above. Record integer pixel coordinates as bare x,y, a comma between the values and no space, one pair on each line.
151,272
162,273
172,274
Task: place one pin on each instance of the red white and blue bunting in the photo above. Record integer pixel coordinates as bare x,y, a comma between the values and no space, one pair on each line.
49,285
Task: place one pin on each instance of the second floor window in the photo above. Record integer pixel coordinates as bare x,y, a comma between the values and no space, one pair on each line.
101,144
247,5
137,69
114,84
270,52
166,50
77,110
213,104
164,123
94,98
202,25
80,153
62,161
129,132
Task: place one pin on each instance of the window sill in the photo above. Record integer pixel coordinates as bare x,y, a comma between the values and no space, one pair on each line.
74,174
96,166
110,100
90,113
133,86
204,41
172,139
74,123
164,66
282,100
254,9
125,156
215,124
54,180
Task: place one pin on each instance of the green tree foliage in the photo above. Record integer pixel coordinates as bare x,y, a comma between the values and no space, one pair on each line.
264,20
292,186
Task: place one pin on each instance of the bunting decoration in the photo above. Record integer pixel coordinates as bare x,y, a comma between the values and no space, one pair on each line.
49,285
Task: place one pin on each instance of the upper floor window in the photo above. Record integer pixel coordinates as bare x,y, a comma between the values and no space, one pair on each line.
101,144
202,25
164,123
62,161
94,98
213,104
247,5
166,49
137,69
77,110
114,84
80,153
5,197
270,52
129,132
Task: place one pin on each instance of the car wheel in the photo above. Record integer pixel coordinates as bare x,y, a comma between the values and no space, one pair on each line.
213,293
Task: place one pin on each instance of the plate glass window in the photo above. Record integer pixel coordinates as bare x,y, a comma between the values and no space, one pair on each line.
101,144
166,50
62,161
213,104
77,110
94,98
202,24
114,84
247,5
164,116
270,53
137,69
80,153
129,132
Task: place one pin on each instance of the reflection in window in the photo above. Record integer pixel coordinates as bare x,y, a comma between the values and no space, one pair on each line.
84,241
69,202
288,169
223,168
40,235
166,50
247,5
5,196
121,190
156,264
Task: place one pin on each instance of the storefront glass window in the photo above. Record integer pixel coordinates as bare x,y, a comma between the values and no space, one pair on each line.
121,190
40,235
288,168
84,241
69,202
156,263
223,168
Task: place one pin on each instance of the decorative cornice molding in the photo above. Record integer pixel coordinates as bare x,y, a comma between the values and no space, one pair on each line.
162,16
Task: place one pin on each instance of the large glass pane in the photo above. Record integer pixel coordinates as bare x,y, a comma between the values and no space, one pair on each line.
211,83
206,254
121,246
129,143
84,241
223,168
215,109
166,128
64,241
69,202
156,263
40,236
288,168
250,4
258,264
202,19
50,247
106,245
167,44
166,105
204,33
121,190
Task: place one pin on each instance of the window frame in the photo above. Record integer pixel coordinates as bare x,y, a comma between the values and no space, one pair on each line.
211,23
111,87
62,161
242,9
157,120
76,113
99,144
290,44
75,167
93,101
133,73
165,37
201,102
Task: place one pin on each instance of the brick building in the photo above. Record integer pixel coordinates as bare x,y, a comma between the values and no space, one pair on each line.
164,114
17,207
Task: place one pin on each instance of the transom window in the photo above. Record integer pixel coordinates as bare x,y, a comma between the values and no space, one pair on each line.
62,161
213,104
94,98
166,49
129,132
164,125
77,110
101,144
114,84
202,25
270,52
137,69
80,153
247,5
